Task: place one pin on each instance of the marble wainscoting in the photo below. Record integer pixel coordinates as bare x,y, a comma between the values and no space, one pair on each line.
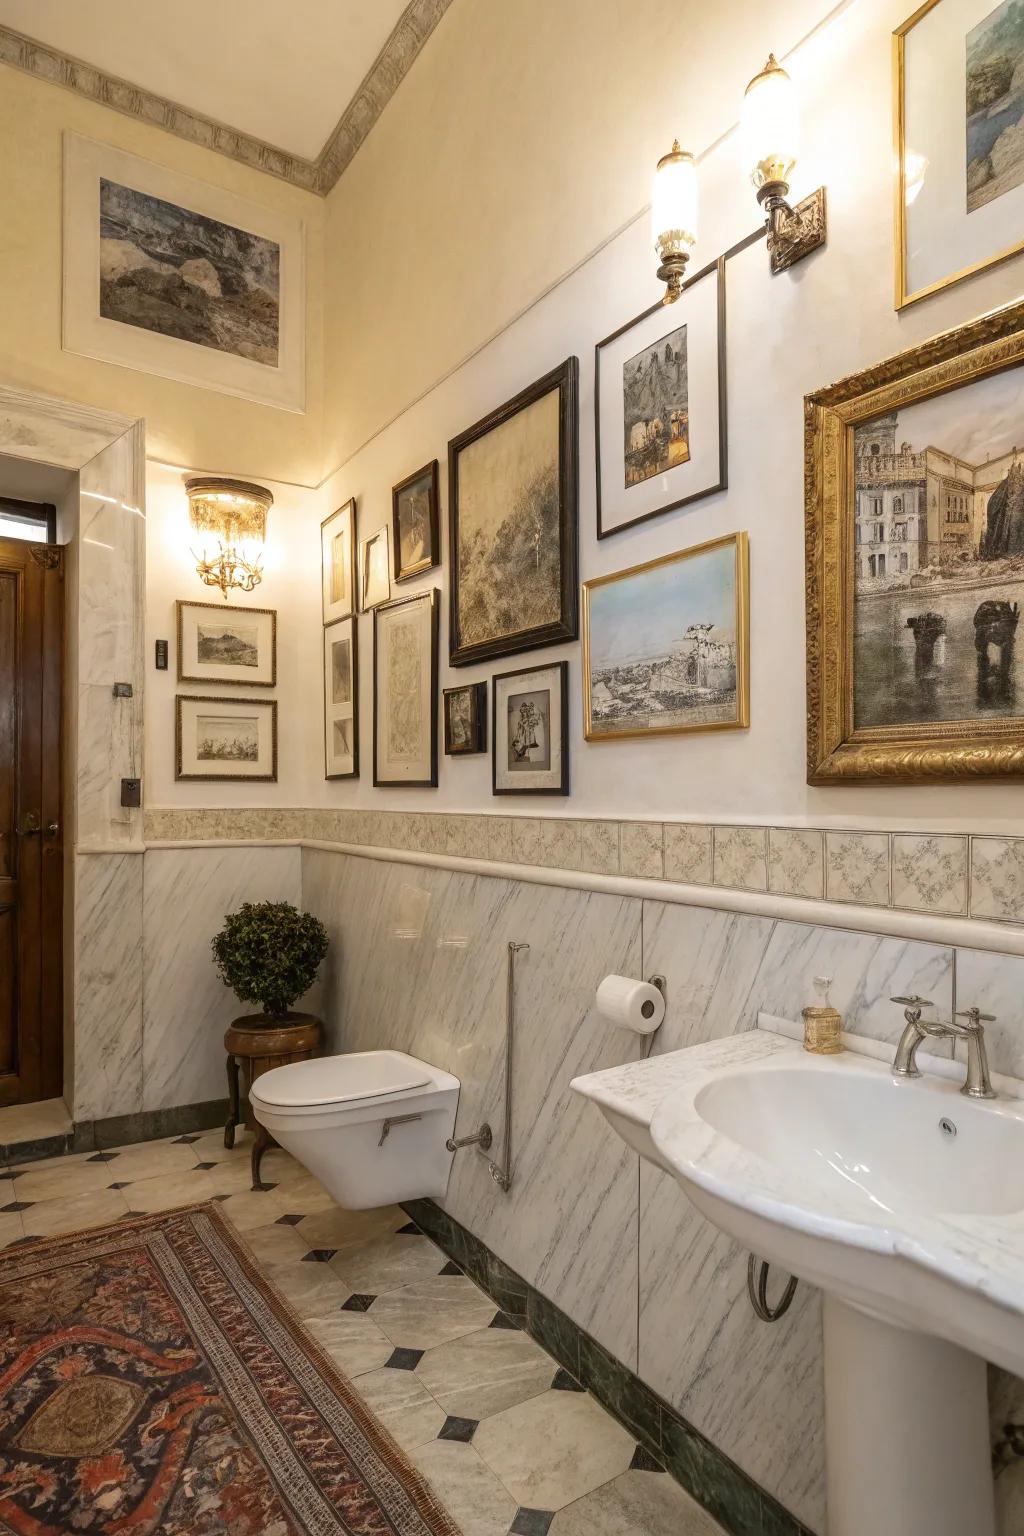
185,1005
418,963
107,1035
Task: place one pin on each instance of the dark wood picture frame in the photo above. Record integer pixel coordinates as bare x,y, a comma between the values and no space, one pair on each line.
349,507
353,621
562,667
221,608
379,612
478,714
721,482
226,778
434,557
564,379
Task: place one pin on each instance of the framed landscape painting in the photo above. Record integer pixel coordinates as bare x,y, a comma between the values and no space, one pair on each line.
217,644
665,645
465,719
530,745
405,691
958,87
225,739
915,578
414,518
513,524
338,563
341,700
173,276
660,407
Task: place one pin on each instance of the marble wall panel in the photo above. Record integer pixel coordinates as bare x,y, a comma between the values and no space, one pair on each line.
108,985
186,1007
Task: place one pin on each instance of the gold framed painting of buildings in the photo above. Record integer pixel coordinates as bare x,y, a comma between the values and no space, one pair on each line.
914,525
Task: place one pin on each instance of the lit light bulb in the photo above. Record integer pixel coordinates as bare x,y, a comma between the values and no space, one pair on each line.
769,130
674,216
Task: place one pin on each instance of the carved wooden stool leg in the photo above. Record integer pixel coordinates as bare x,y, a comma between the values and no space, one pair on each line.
233,1116
260,1144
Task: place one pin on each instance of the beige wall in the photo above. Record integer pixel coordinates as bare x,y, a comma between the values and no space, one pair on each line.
184,425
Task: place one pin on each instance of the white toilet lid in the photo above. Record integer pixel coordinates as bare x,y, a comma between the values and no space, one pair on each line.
340,1079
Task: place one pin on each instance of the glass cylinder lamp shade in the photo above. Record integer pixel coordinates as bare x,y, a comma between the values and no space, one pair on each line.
674,215
229,524
769,128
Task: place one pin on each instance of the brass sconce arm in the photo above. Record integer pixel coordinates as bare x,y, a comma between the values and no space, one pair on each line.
793,233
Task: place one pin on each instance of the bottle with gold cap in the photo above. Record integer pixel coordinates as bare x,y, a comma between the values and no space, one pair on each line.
823,1024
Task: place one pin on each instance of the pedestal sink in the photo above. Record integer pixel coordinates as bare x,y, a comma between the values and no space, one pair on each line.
904,1202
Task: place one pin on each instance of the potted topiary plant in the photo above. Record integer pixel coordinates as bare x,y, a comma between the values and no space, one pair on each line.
268,952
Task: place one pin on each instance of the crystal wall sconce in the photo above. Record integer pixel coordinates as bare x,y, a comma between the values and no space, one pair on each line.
230,519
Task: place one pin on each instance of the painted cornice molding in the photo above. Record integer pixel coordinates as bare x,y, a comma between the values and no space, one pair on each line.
383,78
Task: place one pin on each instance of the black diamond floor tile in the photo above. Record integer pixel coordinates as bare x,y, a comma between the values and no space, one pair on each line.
451,1268
458,1429
19,1242
102,1157
358,1304
184,1141
18,1205
319,1256
563,1382
643,1461
220,1198
206,1165
404,1359
123,1184
409,1230
532,1522
502,1320
289,1221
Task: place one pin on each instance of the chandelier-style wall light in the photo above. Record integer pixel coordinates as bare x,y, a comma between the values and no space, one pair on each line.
769,127
229,518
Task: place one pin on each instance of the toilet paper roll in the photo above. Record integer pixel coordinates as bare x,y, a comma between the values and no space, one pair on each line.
635,1005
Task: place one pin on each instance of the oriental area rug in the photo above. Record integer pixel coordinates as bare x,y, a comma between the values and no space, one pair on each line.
152,1383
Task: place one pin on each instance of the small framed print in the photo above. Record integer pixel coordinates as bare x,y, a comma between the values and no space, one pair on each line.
465,719
225,739
660,407
338,563
226,645
530,745
341,700
405,691
959,142
414,523
374,571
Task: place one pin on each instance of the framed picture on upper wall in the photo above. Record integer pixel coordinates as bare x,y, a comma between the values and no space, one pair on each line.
512,482
958,87
225,738
665,645
414,518
915,577
374,570
660,407
465,719
530,743
217,644
338,563
175,277
341,700
405,691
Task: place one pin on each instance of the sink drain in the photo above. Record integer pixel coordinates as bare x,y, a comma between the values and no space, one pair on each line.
947,1128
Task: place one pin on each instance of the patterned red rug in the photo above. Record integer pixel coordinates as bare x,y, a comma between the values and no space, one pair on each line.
154,1384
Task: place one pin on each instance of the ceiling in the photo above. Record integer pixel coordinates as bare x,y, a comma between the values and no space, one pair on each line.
283,73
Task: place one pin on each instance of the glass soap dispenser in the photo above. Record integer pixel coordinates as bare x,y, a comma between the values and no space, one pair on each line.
823,1024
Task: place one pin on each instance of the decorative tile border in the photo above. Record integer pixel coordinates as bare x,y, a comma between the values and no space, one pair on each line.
383,78
932,873
735,1500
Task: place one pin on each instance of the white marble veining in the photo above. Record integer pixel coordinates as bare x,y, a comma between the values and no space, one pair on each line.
186,1006
995,984
108,985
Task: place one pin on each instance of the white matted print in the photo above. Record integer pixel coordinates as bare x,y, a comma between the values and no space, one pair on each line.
374,570
659,407
959,98
218,644
530,745
338,563
405,691
341,701
172,276
225,738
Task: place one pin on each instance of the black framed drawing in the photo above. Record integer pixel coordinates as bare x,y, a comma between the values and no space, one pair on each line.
530,738
513,489
341,699
338,563
465,719
405,691
660,428
414,541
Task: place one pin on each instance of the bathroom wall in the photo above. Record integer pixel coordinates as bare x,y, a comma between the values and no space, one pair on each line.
417,962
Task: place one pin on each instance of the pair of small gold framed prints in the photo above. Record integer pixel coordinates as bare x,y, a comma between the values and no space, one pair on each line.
226,738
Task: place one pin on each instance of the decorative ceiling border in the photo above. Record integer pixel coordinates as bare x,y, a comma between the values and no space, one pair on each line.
383,78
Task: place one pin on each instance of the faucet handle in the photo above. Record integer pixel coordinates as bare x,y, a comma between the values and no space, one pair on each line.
914,1002
975,1017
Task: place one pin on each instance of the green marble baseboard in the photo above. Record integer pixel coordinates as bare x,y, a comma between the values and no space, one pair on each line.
736,1502
148,1125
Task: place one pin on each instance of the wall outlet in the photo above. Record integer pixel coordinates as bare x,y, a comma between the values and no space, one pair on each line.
131,793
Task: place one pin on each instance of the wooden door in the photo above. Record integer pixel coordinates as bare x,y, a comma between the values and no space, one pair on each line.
31,844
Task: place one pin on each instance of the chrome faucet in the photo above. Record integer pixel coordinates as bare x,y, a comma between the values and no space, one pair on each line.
978,1083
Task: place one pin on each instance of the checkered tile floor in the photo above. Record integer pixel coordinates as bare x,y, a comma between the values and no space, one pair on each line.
510,1441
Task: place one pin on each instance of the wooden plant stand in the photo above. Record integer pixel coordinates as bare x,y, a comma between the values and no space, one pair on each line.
258,1043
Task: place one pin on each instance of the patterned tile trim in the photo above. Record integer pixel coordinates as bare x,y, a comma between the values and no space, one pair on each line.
944,874
735,1500
383,78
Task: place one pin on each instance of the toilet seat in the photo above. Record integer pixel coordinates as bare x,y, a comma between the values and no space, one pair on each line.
350,1079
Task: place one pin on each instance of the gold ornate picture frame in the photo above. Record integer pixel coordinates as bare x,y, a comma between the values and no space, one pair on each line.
933,534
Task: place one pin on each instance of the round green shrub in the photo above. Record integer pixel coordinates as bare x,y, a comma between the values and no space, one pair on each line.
268,953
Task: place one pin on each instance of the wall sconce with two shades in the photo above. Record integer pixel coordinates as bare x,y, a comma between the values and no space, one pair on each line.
769,128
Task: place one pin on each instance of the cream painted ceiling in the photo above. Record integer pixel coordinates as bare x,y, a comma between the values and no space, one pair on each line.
280,70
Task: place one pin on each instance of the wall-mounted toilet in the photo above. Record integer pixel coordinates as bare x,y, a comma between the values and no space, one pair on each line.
371,1125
